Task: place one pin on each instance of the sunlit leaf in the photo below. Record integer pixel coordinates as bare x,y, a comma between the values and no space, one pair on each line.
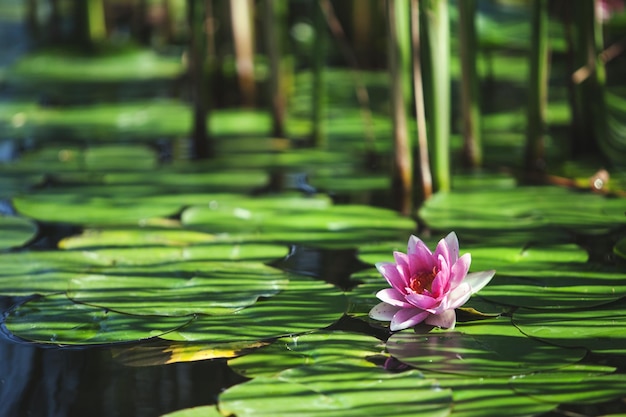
161,352
598,329
485,348
576,384
200,411
305,305
43,272
322,347
179,289
57,320
15,231
339,390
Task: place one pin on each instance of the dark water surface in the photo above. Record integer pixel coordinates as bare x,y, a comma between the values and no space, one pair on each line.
88,382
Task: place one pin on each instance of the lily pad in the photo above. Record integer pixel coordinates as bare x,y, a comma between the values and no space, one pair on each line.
490,396
324,347
305,305
120,157
179,290
339,390
155,255
135,236
547,276
523,213
42,272
578,384
200,411
162,352
55,319
335,225
486,348
16,231
598,329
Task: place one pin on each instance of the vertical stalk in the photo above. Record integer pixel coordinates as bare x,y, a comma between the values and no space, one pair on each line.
423,169
96,23
600,121
200,13
275,15
537,87
584,55
398,51
360,88
319,90
470,103
243,35
436,67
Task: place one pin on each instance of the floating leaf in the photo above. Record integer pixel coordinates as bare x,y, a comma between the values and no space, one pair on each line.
179,289
547,276
522,213
56,319
200,411
598,329
578,384
15,231
43,272
317,348
332,226
485,348
305,305
338,390
161,352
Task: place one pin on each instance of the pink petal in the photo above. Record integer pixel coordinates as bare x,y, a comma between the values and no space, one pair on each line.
453,247
383,312
390,271
458,272
442,250
421,301
477,280
459,296
393,297
401,258
441,283
445,320
420,257
407,317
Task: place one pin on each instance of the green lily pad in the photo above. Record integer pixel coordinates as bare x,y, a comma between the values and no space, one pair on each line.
547,276
317,348
135,236
578,384
486,348
16,231
200,411
179,290
155,255
105,204
55,319
490,396
524,213
335,225
42,272
305,305
620,248
120,157
162,352
339,390
598,329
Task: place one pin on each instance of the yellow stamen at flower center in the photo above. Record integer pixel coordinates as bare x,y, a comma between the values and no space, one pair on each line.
422,281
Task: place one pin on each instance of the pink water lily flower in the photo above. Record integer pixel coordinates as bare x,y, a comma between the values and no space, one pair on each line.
427,287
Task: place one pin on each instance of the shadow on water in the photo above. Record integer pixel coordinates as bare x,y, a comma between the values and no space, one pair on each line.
45,381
